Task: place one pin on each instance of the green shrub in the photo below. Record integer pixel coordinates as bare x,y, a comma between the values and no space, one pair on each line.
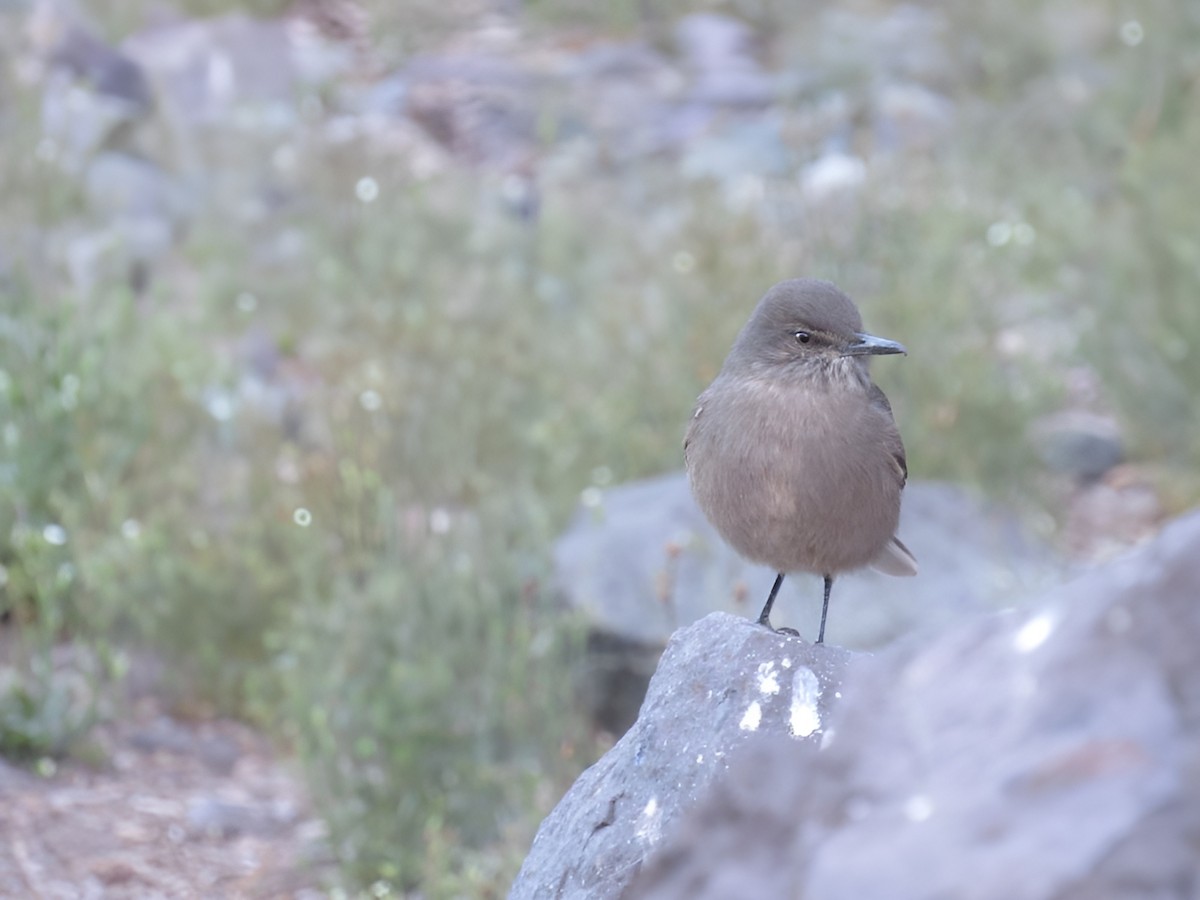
49,391
428,703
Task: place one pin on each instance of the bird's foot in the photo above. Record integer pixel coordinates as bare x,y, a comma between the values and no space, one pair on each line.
766,623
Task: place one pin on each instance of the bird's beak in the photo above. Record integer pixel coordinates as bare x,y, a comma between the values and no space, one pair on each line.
869,345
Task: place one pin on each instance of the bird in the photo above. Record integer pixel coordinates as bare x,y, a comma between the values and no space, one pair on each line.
793,453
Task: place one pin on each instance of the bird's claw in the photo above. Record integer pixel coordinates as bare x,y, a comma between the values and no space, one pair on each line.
766,623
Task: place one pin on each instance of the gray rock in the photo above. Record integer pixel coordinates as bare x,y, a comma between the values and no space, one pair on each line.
105,69
720,52
480,108
232,91
123,252
1045,755
214,817
124,186
92,95
722,682
643,561
228,69
165,735
715,41
607,60
384,98
79,119
1077,443
137,212
634,102
623,97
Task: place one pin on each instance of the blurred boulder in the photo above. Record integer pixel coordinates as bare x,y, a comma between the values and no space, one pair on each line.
231,71
215,817
479,107
232,93
122,185
330,38
722,682
1053,754
642,560
92,94
1081,444
165,734
124,253
624,98
138,211
110,73
720,54
725,105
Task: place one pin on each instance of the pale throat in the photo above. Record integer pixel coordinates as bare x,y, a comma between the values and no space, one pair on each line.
828,373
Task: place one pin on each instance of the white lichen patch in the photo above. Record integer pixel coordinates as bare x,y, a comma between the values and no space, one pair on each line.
1034,633
649,826
804,716
752,718
768,680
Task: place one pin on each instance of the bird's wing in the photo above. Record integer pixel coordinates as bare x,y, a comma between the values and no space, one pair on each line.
692,424
895,558
880,401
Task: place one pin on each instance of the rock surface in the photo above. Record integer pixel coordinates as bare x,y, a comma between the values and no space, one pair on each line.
1045,755
1081,444
643,561
721,682
207,71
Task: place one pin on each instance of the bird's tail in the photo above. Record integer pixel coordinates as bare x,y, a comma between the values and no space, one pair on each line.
895,559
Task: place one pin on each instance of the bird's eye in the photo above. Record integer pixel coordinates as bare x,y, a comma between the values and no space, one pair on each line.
802,337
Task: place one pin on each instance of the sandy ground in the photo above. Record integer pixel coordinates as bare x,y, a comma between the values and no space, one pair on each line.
179,808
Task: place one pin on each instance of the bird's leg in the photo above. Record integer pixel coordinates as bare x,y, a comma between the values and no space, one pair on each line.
825,608
764,618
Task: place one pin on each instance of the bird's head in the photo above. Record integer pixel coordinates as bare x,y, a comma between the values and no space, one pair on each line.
805,324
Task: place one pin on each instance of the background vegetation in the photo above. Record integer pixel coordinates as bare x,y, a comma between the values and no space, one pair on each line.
350,543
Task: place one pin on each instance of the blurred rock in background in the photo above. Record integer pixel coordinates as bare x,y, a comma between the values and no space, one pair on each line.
640,561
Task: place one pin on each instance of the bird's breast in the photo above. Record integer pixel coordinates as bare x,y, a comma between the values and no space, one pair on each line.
796,476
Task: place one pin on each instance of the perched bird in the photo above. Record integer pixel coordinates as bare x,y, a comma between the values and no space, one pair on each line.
792,451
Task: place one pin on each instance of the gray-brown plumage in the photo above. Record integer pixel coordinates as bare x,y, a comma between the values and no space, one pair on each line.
792,451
